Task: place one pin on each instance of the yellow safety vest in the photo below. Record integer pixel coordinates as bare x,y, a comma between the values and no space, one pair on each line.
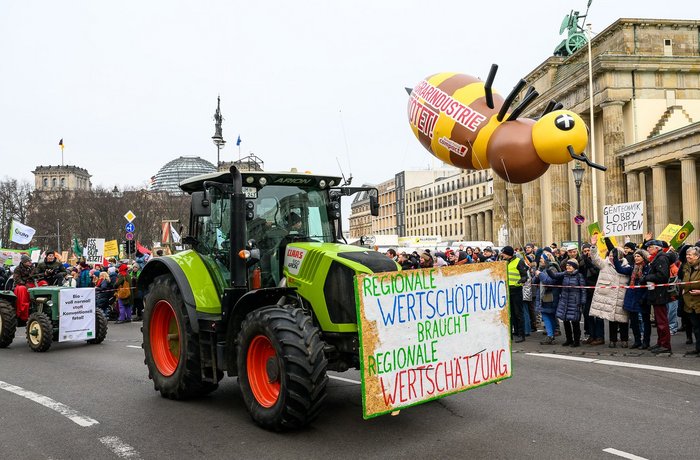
513,273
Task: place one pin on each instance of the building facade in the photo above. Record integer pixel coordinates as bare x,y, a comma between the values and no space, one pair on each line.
51,178
646,105
452,207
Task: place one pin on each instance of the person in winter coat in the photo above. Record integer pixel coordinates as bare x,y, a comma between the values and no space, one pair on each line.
629,249
51,269
125,303
571,301
635,298
84,277
691,293
545,295
659,273
593,326
103,292
608,303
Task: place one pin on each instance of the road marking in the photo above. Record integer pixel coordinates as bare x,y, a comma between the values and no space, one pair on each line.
606,362
120,448
45,401
133,346
621,453
342,379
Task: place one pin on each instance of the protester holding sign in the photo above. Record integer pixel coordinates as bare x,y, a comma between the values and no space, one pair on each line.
634,298
659,273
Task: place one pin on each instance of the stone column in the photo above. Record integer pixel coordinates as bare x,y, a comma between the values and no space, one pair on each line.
480,226
500,205
532,211
561,203
613,140
648,210
515,215
488,226
689,190
472,227
633,186
658,178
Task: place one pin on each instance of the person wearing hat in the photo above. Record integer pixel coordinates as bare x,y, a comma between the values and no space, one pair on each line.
546,294
51,269
593,326
629,249
659,273
23,277
571,300
634,298
125,302
84,277
517,275
488,255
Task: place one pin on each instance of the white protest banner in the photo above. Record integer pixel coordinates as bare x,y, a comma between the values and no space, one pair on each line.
76,313
20,233
429,333
94,251
623,218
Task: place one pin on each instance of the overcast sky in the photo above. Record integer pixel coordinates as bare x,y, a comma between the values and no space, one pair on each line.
131,85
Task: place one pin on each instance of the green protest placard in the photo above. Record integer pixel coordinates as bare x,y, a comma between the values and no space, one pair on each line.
426,334
681,235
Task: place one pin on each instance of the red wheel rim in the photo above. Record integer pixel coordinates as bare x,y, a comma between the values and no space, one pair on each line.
165,338
261,363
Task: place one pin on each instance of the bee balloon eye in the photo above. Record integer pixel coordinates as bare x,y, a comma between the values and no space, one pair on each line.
564,122
462,121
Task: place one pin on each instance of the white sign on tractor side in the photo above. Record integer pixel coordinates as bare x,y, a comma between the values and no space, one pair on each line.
623,219
76,310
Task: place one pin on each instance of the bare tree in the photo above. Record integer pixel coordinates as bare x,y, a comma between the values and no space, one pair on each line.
15,200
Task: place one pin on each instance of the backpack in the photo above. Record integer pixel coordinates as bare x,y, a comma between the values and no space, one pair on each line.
84,279
124,290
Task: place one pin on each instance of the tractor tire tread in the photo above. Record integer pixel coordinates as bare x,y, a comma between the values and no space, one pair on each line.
8,326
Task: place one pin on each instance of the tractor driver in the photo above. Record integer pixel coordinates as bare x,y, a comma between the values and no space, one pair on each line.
293,223
51,269
23,278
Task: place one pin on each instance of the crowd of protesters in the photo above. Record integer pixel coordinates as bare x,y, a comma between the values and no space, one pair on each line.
115,282
623,286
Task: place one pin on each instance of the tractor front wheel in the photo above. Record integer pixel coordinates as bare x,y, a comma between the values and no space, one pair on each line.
8,323
39,332
281,368
170,346
100,328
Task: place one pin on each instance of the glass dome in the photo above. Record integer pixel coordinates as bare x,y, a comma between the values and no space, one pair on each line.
169,177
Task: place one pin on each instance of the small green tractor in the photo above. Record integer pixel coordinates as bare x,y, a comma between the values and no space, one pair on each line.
42,326
265,293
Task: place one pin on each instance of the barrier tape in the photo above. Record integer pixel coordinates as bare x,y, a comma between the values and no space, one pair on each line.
642,286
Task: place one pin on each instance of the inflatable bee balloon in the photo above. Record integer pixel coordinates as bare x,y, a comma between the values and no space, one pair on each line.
462,122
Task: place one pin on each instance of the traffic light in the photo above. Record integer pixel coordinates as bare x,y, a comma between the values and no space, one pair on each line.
130,246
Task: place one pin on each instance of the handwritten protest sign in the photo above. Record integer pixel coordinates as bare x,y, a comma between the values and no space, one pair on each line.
681,235
668,232
429,333
624,218
94,250
594,229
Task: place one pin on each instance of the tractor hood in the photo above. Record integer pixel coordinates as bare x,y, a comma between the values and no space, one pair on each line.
324,275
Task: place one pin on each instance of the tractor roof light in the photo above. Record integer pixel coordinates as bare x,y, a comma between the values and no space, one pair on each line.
263,181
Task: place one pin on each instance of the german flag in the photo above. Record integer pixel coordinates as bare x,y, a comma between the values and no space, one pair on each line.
60,144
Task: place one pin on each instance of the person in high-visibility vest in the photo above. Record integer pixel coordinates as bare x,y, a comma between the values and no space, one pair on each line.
517,275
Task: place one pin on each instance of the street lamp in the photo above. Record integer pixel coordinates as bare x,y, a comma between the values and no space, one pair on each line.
578,171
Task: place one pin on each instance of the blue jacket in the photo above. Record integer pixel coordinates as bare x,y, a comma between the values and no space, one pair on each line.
546,298
570,298
633,297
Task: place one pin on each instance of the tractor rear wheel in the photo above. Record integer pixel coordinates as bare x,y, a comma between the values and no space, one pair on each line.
8,323
100,327
170,346
281,368
39,332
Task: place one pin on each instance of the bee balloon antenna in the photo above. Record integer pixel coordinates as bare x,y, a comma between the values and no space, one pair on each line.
527,100
549,108
487,86
408,90
558,106
509,100
585,159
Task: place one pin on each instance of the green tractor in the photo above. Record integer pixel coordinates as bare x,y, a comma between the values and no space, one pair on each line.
265,293
42,326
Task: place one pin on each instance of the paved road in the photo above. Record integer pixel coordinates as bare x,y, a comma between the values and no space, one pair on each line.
551,408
